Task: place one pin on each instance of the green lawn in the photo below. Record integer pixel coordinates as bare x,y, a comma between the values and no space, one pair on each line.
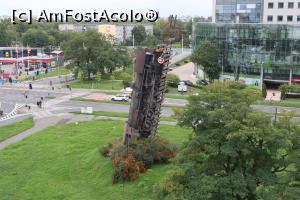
50,97
14,129
62,71
293,103
177,96
244,75
64,162
103,85
124,115
100,101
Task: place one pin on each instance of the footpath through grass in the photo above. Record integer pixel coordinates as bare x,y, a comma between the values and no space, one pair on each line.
14,129
64,162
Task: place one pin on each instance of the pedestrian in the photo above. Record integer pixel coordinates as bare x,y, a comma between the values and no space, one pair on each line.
30,86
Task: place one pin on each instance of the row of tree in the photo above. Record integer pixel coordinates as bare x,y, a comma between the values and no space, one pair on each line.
41,34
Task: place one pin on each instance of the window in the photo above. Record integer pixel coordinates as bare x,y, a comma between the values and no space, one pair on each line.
291,5
270,5
280,5
270,18
298,18
280,18
290,18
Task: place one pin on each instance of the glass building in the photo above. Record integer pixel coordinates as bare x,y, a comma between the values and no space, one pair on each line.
238,11
249,47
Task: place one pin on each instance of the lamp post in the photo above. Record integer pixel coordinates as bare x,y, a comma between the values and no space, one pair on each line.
261,75
133,40
221,62
181,43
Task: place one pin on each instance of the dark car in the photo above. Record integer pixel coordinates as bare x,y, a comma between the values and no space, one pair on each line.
187,82
202,82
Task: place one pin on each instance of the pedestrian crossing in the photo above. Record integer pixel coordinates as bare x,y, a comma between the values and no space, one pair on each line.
49,108
13,113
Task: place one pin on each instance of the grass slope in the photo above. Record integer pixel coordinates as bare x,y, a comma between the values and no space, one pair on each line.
14,129
64,162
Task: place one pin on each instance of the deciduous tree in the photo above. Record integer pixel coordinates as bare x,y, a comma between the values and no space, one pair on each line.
207,55
235,152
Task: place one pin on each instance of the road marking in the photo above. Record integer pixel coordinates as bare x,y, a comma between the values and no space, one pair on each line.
13,113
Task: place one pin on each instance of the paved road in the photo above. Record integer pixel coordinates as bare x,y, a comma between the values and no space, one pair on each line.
179,55
13,96
76,106
185,72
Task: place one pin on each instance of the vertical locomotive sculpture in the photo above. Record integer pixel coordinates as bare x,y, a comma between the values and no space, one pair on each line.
151,68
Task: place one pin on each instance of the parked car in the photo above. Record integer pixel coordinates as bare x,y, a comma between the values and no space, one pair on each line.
188,82
202,82
120,97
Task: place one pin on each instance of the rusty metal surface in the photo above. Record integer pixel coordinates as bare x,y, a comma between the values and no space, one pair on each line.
151,69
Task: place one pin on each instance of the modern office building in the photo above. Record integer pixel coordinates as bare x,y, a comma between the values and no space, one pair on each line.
281,12
256,11
250,47
237,11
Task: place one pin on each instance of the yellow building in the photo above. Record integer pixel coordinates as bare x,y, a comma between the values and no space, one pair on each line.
108,30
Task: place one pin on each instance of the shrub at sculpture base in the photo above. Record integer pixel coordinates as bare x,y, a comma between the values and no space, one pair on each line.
132,159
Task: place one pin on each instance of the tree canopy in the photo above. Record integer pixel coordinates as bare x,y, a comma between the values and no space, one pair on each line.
139,33
37,38
206,54
90,52
235,152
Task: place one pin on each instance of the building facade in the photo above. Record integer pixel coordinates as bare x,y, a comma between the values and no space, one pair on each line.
121,32
237,11
281,12
256,11
250,47
78,27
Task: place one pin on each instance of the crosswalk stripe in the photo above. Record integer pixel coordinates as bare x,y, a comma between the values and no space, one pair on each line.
12,113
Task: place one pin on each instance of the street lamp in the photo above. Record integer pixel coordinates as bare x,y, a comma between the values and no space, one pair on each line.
133,40
261,75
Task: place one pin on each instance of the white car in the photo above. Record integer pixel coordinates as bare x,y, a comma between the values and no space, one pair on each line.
120,97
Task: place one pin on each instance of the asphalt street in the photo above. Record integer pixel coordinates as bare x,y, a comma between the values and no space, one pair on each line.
76,105
13,96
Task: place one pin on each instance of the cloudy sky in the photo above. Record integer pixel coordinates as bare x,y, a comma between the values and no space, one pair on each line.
165,7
